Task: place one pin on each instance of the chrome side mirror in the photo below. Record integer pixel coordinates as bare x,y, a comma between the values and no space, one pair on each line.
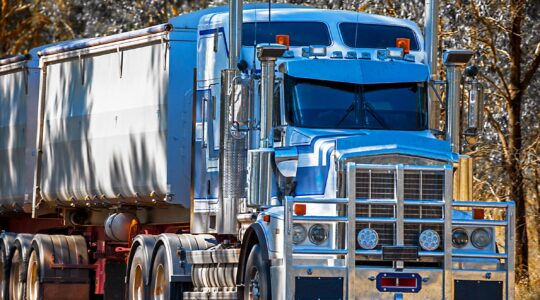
240,106
475,107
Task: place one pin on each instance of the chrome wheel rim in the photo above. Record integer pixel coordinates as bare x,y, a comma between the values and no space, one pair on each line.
137,286
254,284
32,278
159,285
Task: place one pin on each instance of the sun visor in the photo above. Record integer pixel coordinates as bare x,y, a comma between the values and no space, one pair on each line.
357,71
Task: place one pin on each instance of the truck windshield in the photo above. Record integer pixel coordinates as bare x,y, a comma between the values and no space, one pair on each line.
323,104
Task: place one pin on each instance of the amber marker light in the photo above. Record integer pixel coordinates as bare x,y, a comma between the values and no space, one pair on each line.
300,209
404,44
283,39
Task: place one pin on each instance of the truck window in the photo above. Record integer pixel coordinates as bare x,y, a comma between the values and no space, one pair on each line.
322,104
357,35
300,33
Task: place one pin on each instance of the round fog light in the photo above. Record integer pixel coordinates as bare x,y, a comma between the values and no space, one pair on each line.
480,238
318,234
368,238
460,238
429,240
299,234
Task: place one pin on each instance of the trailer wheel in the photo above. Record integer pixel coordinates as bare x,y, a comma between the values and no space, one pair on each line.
33,286
257,276
4,272
136,284
16,285
161,288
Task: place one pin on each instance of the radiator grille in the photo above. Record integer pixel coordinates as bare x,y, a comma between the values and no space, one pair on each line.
418,185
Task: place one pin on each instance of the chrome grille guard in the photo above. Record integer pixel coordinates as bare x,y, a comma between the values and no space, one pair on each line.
346,235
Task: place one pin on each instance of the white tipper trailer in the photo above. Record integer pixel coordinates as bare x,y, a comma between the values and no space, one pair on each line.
253,152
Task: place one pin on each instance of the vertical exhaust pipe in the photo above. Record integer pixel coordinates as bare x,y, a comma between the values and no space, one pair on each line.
233,150
454,60
235,31
431,41
260,160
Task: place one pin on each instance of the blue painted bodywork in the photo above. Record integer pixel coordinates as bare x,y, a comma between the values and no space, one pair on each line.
357,71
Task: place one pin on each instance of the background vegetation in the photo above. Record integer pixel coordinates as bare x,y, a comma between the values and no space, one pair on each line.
504,33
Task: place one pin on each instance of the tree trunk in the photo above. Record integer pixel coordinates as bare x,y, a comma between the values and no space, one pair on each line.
517,188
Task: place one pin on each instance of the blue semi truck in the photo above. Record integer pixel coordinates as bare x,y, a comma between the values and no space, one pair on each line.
248,152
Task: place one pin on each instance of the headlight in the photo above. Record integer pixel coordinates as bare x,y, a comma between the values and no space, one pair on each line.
460,238
299,234
318,234
480,238
368,238
429,240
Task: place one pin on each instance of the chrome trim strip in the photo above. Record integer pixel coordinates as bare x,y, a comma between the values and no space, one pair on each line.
400,211
464,222
321,200
510,250
321,219
447,276
351,230
375,220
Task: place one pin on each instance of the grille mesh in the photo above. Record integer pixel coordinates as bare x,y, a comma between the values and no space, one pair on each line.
418,185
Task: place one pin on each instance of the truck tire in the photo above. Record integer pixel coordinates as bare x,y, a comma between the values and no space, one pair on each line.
16,284
136,286
4,272
161,288
257,276
33,286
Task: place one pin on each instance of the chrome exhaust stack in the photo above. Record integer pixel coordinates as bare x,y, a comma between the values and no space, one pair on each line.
454,60
233,154
431,41
260,160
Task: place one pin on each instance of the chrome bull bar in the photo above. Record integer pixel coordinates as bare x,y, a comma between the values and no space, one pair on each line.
346,249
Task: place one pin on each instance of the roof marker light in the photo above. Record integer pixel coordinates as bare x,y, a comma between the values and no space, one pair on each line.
404,44
396,53
382,54
317,51
365,55
283,39
288,54
351,55
337,55
305,51
409,57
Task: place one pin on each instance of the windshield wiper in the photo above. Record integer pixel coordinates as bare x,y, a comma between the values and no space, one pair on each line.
347,113
375,115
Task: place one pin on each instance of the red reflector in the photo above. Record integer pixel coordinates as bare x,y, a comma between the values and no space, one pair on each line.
407,282
388,282
478,213
398,282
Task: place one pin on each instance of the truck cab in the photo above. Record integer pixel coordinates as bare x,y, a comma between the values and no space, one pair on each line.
361,196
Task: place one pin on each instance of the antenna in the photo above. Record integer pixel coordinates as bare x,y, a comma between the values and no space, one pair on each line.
255,43
269,13
356,26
